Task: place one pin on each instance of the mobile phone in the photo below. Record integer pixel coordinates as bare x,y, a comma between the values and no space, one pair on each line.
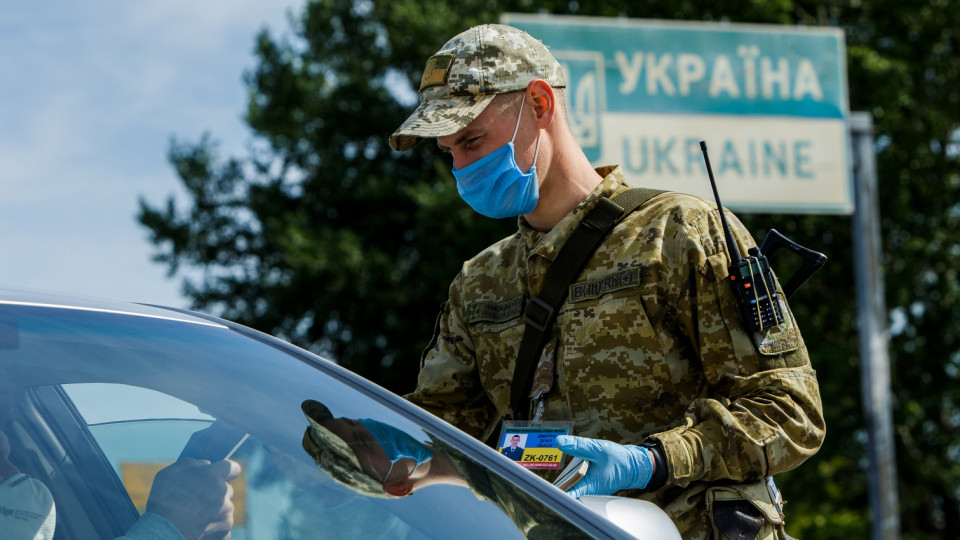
214,443
572,474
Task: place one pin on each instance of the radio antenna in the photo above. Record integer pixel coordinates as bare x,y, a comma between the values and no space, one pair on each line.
732,249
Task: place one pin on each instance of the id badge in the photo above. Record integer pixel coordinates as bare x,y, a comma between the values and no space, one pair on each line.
533,446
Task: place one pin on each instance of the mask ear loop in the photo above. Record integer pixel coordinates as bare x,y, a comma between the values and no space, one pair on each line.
516,129
519,116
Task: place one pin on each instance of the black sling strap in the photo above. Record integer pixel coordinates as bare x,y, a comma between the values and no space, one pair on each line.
541,310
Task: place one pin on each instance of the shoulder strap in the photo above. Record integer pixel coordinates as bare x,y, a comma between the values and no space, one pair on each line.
541,310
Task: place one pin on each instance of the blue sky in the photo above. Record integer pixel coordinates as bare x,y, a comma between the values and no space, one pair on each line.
90,95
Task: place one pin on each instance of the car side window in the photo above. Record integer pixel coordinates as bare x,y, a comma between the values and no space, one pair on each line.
139,431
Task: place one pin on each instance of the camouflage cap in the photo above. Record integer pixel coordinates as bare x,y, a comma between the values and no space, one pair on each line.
333,455
462,78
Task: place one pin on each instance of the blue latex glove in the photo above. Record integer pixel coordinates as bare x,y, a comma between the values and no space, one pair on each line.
612,466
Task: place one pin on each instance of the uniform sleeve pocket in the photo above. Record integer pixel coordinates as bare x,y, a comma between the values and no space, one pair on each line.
774,341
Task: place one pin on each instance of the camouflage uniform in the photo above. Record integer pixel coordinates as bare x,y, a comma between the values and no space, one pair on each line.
650,346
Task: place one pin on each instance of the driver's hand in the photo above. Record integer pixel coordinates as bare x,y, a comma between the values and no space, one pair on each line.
195,496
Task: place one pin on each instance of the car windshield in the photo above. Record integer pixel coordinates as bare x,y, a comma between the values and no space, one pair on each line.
96,402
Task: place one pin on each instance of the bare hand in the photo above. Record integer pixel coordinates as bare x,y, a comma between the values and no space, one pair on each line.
194,495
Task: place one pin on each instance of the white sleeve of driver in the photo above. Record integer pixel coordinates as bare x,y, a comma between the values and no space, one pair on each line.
27,510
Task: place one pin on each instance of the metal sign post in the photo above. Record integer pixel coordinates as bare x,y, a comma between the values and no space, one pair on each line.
874,335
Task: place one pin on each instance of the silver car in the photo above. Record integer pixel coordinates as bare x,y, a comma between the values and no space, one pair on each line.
103,406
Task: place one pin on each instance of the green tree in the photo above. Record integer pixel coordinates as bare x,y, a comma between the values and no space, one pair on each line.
324,236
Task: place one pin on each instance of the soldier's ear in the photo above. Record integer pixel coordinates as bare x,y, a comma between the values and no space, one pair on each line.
400,488
544,100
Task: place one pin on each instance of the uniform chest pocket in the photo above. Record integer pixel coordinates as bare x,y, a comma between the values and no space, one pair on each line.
621,313
496,329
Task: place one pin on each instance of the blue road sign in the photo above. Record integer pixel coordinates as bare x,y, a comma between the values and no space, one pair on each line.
770,101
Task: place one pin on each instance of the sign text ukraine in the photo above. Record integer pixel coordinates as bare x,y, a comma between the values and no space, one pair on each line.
770,101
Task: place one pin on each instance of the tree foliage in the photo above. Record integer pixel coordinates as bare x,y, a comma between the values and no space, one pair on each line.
322,235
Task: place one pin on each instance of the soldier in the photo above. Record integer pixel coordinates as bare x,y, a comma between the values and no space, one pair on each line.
671,399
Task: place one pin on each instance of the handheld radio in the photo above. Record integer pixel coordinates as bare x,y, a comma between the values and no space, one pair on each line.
751,277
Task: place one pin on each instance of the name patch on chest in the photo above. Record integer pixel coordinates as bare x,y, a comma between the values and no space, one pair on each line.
494,311
595,288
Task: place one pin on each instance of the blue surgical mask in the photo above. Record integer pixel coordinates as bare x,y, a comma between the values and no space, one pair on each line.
495,187
396,443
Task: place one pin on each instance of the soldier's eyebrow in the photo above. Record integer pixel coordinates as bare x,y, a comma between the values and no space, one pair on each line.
466,134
